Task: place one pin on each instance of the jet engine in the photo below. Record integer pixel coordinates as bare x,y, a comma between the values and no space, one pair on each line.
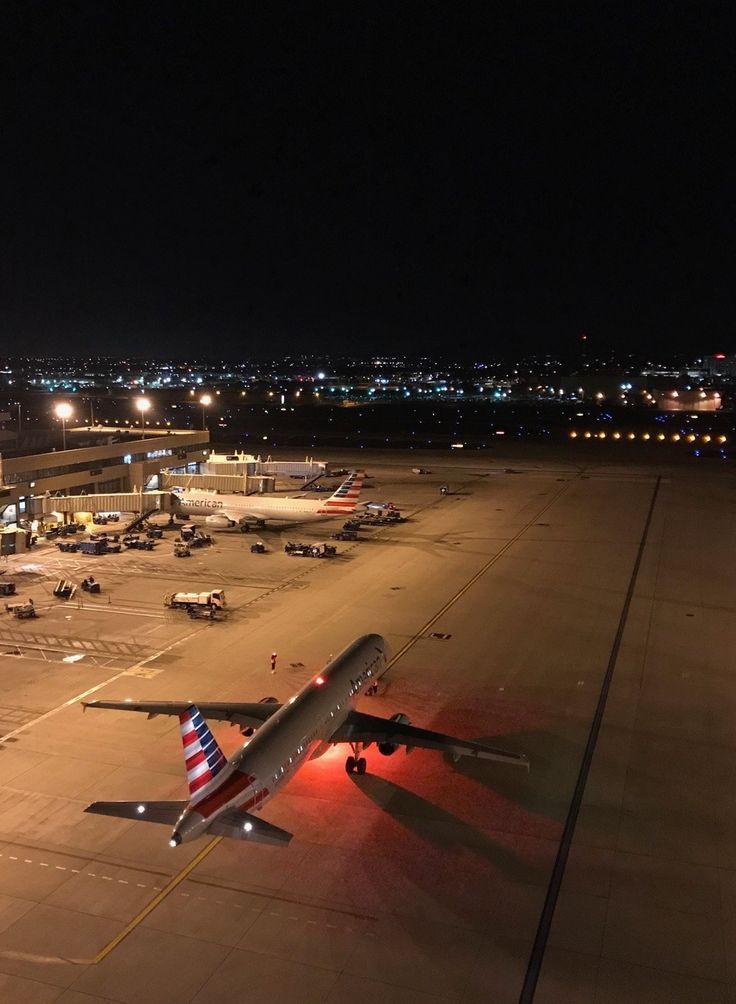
249,730
219,521
388,749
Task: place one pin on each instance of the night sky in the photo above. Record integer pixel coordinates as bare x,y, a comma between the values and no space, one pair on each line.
234,178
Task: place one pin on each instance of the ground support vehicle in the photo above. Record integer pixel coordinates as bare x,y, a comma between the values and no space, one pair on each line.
64,589
7,588
346,535
258,548
321,550
140,545
103,518
90,546
68,546
182,549
21,610
201,540
90,585
215,600
203,613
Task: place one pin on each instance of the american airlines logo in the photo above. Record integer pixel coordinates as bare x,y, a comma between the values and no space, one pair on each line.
202,503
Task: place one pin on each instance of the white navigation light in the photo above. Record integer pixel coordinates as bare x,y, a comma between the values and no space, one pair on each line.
247,827
140,809
172,842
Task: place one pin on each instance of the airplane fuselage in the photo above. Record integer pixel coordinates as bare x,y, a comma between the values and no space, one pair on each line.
244,507
298,731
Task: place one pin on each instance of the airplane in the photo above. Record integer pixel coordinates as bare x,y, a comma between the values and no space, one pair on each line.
224,794
231,510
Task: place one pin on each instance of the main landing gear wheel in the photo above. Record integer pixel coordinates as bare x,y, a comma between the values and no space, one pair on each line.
361,765
350,764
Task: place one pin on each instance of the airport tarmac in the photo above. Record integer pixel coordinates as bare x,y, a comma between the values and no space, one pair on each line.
545,580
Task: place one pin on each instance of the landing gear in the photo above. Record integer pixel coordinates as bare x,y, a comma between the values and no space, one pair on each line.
355,764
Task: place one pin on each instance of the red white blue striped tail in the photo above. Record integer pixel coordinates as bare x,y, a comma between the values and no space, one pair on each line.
345,499
202,756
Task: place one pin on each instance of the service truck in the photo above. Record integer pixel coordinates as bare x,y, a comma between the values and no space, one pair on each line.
213,600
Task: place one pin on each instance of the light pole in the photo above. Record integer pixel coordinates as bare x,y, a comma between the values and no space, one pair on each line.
205,400
143,404
63,411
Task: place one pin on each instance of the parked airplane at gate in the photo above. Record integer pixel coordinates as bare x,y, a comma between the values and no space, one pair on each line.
231,510
224,794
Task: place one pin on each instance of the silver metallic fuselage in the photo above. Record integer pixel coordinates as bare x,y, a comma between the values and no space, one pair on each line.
300,729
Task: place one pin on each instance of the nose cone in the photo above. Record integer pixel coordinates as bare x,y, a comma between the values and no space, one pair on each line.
176,839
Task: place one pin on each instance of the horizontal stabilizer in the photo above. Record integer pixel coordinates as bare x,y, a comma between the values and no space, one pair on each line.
151,812
239,825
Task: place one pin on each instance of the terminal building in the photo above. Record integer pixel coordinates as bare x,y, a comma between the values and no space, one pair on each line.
117,463
109,469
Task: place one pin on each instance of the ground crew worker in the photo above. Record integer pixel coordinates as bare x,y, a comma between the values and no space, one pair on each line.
273,662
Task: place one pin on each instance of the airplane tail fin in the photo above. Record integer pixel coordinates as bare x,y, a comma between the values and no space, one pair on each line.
345,499
202,756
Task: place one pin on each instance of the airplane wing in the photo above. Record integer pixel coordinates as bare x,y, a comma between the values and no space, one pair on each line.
251,715
361,728
151,812
239,825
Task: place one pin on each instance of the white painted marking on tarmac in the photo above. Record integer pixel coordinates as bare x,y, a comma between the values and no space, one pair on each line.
44,864
123,881
27,861
99,686
13,857
140,885
60,868
130,613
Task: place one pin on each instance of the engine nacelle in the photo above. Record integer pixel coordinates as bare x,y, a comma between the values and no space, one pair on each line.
219,522
249,730
388,749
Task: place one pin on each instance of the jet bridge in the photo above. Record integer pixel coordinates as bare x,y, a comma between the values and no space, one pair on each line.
244,484
145,503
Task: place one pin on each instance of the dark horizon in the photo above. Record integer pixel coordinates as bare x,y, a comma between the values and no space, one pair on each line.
210,180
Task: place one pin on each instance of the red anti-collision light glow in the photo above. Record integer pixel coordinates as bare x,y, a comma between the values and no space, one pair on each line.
319,681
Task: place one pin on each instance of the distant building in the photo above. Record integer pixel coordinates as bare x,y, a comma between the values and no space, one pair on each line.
720,364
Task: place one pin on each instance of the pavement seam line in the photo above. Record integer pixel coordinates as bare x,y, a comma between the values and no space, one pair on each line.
536,956
159,898
471,582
